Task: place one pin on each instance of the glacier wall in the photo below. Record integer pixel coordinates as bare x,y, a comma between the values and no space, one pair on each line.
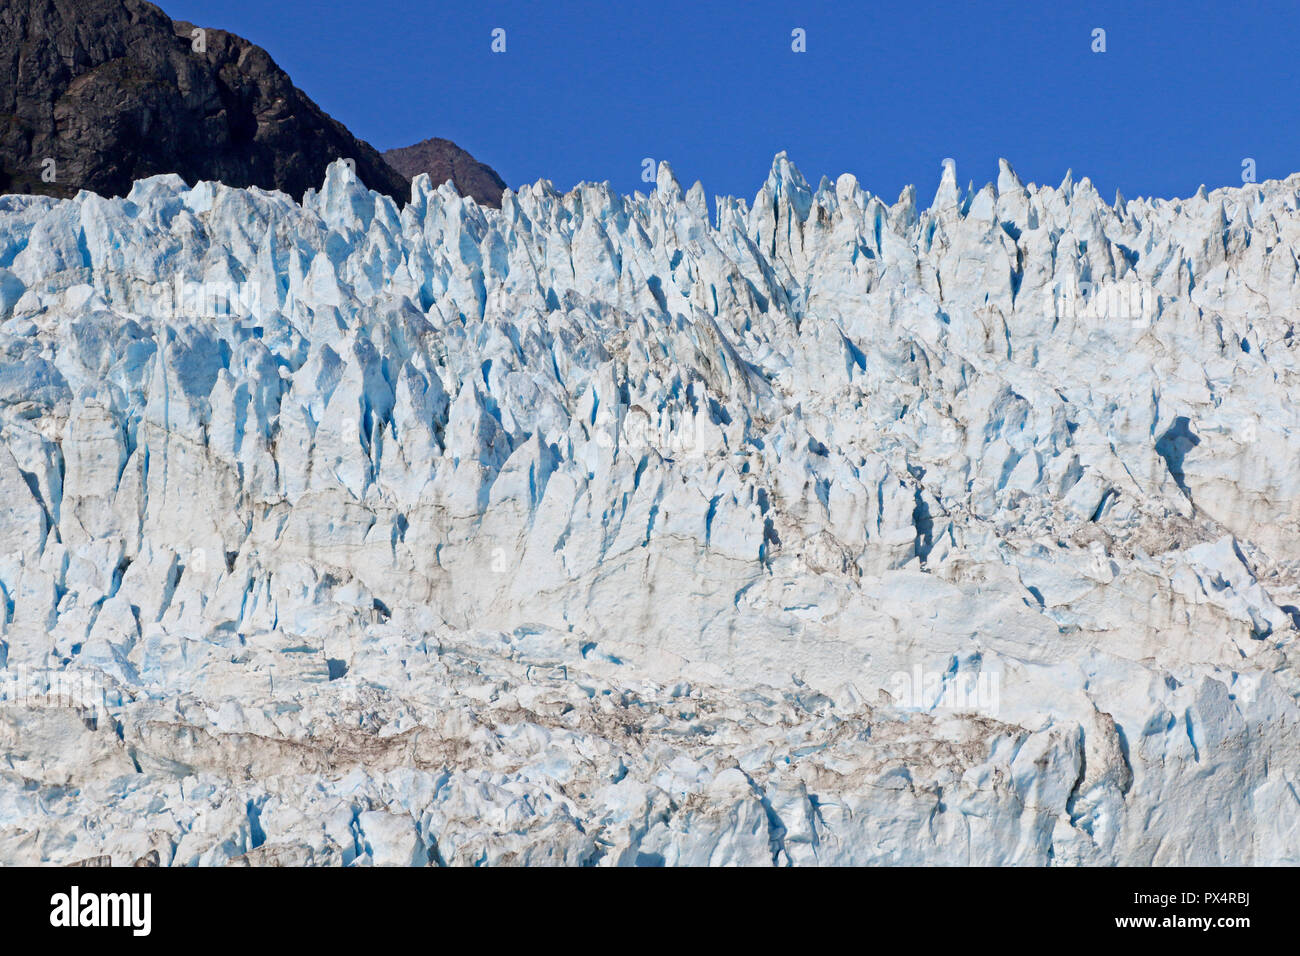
604,530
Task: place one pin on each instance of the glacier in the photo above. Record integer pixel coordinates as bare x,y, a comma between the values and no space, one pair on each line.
616,530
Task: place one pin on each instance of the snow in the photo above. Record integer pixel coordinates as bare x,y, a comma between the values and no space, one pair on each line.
592,531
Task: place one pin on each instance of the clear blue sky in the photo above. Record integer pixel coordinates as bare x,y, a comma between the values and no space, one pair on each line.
588,88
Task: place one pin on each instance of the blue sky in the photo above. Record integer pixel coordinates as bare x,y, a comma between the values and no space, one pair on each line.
587,90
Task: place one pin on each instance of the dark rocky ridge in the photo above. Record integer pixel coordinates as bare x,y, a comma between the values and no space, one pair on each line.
113,92
443,160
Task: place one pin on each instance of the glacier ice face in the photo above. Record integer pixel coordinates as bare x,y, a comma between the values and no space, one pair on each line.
591,530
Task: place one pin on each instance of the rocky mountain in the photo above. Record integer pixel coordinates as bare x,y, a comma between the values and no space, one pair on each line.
592,530
443,160
95,94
